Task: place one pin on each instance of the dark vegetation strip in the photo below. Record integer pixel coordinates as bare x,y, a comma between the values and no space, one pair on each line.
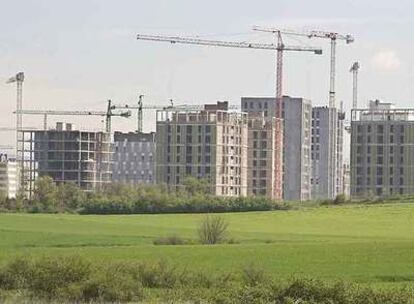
193,197
77,280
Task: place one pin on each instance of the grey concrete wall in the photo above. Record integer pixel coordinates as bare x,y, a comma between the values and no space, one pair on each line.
134,158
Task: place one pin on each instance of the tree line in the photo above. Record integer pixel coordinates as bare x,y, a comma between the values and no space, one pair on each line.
117,198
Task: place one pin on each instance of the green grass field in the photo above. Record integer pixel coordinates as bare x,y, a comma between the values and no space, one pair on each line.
366,244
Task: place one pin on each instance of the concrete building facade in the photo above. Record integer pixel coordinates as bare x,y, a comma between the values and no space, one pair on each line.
327,152
67,156
382,151
134,158
297,114
261,160
9,177
209,144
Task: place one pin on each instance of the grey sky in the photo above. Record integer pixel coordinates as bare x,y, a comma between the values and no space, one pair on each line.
76,54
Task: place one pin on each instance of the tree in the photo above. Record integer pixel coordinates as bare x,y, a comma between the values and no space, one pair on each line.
212,230
44,195
69,196
194,186
3,199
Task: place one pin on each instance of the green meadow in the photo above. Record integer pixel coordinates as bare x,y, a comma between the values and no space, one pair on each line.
368,244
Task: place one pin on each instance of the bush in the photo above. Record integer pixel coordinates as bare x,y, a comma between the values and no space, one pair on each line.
212,230
72,279
109,287
169,240
340,199
253,275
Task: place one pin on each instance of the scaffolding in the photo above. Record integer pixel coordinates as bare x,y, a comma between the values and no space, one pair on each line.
83,158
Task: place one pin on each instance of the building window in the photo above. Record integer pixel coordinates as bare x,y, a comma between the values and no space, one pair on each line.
380,139
379,181
379,171
380,150
380,129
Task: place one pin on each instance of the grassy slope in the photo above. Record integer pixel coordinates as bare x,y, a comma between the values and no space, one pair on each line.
366,244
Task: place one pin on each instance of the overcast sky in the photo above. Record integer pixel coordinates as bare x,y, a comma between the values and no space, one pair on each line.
77,54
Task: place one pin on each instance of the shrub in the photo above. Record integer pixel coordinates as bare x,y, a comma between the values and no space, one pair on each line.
340,199
169,240
212,230
50,275
109,287
253,275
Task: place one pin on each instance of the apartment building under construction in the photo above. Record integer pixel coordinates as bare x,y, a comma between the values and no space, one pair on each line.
261,151
327,152
382,151
297,114
8,176
67,156
134,158
209,144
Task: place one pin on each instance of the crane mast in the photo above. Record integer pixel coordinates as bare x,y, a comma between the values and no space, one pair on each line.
333,38
18,79
280,48
354,70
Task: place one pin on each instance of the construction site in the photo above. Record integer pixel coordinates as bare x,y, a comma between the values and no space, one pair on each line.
281,147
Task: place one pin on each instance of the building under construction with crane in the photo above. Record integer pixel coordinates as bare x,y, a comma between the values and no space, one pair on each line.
210,143
66,155
280,48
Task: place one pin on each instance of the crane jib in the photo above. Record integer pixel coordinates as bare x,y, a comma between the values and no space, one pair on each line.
230,44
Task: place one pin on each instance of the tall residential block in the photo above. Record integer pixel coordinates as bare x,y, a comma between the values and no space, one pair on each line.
261,152
382,151
297,114
209,144
134,158
67,156
327,152
9,180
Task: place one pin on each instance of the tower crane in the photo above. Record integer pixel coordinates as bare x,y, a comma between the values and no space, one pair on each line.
18,79
280,47
140,107
319,34
354,70
107,114
333,37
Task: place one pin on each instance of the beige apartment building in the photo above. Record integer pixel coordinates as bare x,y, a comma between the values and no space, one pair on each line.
261,155
208,144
